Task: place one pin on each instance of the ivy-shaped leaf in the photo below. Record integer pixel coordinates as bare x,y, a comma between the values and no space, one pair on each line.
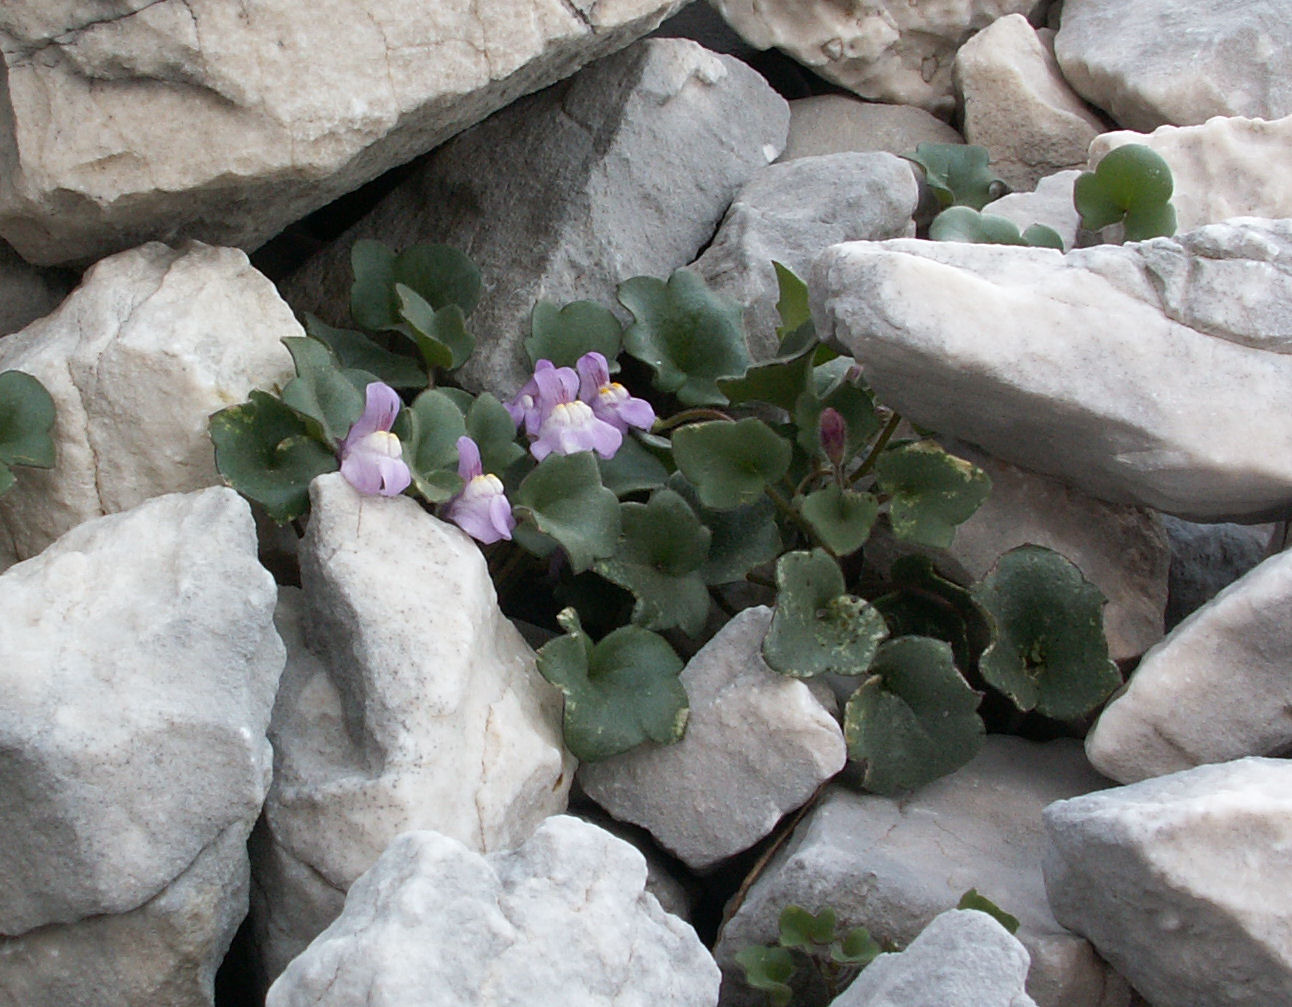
769,970
322,391
777,382
1050,653
563,498
438,274
633,468
687,334
562,335
730,464
801,929
914,719
265,452
26,419
491,427
357,351
429,430
743,537
841,518
440,334
856,948
1131,185
931,491
660,552
924,603
963,223
817,627
619,692
958,173
973,900
833,386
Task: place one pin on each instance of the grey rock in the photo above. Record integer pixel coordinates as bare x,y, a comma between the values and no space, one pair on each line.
789,213
893,864
838,123
562,919
1177,62
964,958
28,292
1182,882
1208,557
637,158
1050,203
1091,366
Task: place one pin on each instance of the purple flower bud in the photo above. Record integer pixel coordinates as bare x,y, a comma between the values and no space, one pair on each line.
481,509
371,456
610,400
834,434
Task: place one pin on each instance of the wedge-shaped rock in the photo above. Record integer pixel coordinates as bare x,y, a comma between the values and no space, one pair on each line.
1183,882
138,663
625,169
1217,688
893,864
1136,372
416,705
1178,62
188,118
152,342
563,919
757,745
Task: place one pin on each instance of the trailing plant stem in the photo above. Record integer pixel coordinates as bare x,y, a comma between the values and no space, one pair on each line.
885,436
689,416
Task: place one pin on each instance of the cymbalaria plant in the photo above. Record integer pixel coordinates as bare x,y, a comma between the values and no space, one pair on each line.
644,479
26,419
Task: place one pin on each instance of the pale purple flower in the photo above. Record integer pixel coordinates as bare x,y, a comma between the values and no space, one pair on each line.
610,400
569,425
528,408
481,508
371,456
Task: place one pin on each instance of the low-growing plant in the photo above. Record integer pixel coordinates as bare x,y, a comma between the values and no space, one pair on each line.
26,419
1131,186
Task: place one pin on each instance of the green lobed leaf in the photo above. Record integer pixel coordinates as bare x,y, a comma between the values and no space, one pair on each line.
27,416
565,334
841,518
438,274
491,427
792,304
322,391
564,498
817,627
931,491
777,382
1132,184
660,552
429,430
856,948
743,537
264,450
687,334
440,334
958,173
730,464
973,900
1050,653
355,350
914,720
924,603
769,970
632,469
963,223
619,692
801,929
834,387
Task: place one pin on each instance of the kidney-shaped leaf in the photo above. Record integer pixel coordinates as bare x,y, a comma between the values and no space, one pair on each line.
562,335
438,274
563,497
429,430
841,518
958,173
931,492
731,463
322,390
26,418
1133,185
743,537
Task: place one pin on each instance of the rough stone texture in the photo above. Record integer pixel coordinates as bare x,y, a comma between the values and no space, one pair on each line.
963,958
1221,169
1136,372
757,745
893,864
28,292
1217,688
1049,204
562,920
838,124
635,159
1178,62
899,51
138,664
1016,103
152,342
412,704
225,123
1183,882
790,213
1205,558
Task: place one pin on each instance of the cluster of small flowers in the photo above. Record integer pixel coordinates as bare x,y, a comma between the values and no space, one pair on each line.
563,410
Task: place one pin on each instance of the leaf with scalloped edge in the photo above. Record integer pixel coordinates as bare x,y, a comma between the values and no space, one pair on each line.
563,335
323,391
743,537
563,498
438,274
1131,185
769,970
972,899
359,352
428,431
440,334
731,464
958,173
963,223
932,492
841,518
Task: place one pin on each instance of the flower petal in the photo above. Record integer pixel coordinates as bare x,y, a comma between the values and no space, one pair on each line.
469,464
381,406
594,374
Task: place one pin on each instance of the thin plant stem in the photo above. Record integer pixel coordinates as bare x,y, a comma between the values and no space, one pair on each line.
786,508
689,416
885,436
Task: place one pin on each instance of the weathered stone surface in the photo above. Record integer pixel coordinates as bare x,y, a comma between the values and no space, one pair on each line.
838,123
893,864
636,159
1183,882
1205,558
191,118
138,663
563,919
1049,204
790,213
963,958
1016,103
1136,372
899,51
757,745
28,292
1221,169
409,702
1217,688
136,359
1177,62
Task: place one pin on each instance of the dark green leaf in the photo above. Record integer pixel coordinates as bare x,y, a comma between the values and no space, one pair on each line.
778,383
355,350
833,386
490,426
632,469
792,305
856,948
730,464
931,492
743,537
26,419
924,603
963,223
563,335
842,519
769,970
972,900
563,497
439,275
1132,184
372,295
321,390
958,174
430,431
801,929
440,334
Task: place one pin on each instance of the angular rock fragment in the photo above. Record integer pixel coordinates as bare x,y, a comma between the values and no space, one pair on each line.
838,124
27,292
1206,558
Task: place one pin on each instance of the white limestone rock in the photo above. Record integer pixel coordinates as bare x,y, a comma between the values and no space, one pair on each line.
1217,688
1135,372
899,51
1016,103
634,161
1206,558
28,292
757,745
1183,882
138,663
893,864
194,118
1050,203
561,921
414,704
1221,169
1178,62
964,958
839,123
152,342
789,213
